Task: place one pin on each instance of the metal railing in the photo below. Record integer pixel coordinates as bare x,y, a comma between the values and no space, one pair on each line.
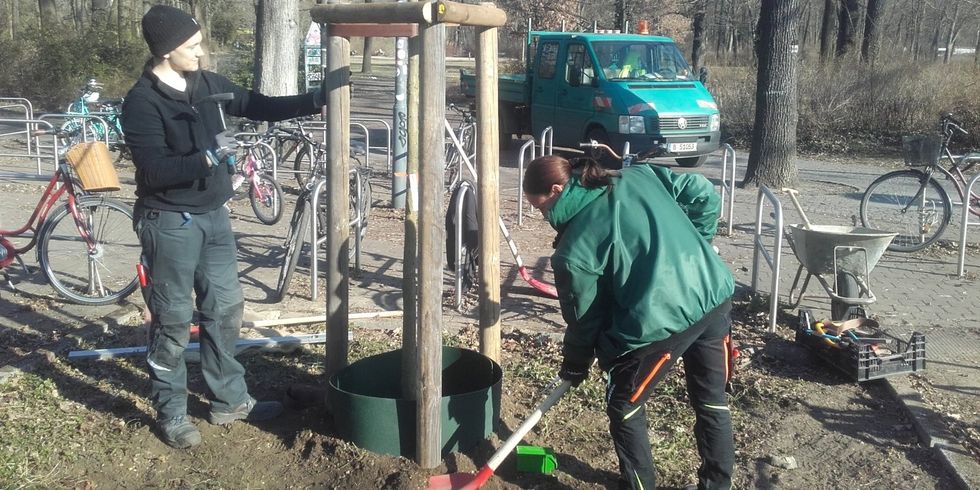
728,186
964,224
31,125
316,240
547,135
529,145
774,259
465,187
387,148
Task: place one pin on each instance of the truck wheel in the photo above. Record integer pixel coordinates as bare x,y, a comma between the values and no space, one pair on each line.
691,162
602,156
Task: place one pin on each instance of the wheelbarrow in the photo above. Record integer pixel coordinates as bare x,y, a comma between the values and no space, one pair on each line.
847,253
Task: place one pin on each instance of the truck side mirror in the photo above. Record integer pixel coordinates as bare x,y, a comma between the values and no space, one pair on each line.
703,74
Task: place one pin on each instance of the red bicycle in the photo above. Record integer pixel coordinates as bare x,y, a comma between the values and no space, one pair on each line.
86,248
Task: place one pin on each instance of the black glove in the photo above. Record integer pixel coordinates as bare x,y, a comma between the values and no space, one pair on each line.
575,373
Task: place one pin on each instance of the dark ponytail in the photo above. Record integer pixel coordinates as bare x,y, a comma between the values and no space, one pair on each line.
591,174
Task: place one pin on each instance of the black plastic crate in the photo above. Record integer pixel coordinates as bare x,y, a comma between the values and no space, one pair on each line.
858,360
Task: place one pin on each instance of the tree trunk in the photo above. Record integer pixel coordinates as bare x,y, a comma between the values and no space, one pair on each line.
14,19
976,51
100,12
827,25
47,12
847,17
200,12
916,29
697,43
721,32
771,158
954,31
873,25
367,60
276,66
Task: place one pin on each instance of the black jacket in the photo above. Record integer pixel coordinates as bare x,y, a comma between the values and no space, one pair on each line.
168,132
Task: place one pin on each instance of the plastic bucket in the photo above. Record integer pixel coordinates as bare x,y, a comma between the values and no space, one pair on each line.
370,410
93,165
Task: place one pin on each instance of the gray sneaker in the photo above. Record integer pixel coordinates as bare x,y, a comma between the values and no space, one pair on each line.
251,410
180,433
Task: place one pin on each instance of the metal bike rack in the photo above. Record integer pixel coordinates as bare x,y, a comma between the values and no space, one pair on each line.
7,103
315,239
367,142
459,149
626,151
727,185
774,259
529,144
964,224
30,125
548,134
465,187
368,147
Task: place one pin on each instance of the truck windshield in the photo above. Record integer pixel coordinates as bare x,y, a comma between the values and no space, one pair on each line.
631,60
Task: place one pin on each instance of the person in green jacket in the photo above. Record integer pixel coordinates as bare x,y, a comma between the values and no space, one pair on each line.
641,286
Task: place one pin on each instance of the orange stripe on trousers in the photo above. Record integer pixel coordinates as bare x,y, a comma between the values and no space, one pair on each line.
653,372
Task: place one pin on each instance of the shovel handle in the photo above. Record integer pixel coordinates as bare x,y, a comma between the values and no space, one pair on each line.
528,424
792,195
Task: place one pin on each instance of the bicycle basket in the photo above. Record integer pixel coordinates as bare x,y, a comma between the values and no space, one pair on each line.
93,165
922,150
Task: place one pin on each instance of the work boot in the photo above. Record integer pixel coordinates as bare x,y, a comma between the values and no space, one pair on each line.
251,411
180,433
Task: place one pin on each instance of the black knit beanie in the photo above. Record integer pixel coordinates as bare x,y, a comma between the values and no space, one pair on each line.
166,28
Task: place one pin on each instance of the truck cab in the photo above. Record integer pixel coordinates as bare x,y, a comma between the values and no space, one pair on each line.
618,88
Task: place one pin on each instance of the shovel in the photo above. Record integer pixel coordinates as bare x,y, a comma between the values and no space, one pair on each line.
467,481
792,195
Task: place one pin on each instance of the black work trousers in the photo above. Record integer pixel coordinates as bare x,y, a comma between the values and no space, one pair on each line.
191,253
706,350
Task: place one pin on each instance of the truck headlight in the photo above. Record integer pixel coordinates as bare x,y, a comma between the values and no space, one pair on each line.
714,123
631,124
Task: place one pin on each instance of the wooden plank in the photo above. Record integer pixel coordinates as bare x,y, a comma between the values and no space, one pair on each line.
488,163
349,30
484,14
381,13
432,105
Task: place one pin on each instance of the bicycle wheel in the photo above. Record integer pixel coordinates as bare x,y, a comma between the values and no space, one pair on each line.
367,200
910,203
266,197
97,275
294,245
303,166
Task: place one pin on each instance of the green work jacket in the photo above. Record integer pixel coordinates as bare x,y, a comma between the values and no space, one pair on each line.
633,261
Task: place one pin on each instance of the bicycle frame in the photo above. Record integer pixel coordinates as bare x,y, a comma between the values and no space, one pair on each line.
60,184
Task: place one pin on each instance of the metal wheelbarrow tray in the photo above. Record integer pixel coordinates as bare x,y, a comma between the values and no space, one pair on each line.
828,249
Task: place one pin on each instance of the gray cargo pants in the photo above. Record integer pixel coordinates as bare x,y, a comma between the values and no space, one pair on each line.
185,253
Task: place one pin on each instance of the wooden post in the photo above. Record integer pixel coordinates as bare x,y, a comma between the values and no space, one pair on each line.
410,325
432,104
488,161
336,76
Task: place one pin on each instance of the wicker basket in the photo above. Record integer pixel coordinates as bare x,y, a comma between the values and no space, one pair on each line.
922,150
93,165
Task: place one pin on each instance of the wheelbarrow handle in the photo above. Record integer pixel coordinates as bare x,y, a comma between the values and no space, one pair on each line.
792,195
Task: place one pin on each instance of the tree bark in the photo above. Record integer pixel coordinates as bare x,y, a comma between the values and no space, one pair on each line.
276,66
827,25
847,17
200,12
873,25
697,42
47,12
976,51
773,151
954,31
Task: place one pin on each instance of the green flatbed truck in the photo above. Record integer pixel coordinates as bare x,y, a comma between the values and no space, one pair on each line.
611,88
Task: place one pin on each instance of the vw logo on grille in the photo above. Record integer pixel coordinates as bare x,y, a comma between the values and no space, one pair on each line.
681,123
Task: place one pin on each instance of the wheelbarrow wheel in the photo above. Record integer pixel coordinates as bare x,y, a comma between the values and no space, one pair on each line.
847,286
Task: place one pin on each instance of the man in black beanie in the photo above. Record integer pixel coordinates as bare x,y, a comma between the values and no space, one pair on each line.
182,182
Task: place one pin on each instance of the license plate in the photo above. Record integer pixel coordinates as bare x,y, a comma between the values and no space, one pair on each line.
679,147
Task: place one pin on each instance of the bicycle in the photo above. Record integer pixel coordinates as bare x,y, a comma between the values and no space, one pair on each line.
465,134
264,193
359,206
83,247
108,125
911,201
